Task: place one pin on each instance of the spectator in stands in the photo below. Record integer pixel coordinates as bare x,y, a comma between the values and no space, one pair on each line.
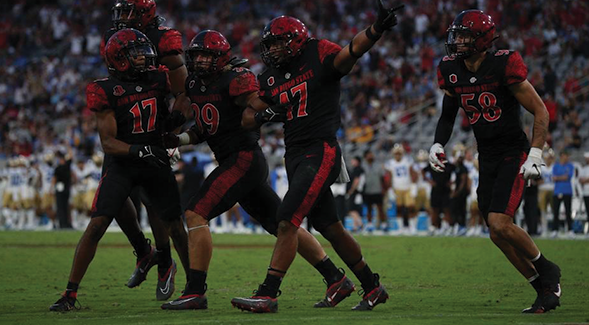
552,108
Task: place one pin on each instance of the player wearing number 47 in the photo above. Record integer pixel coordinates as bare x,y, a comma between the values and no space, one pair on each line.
307,73
490,86
217,91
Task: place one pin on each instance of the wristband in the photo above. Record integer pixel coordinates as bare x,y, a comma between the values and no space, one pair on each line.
535,152
372,36
183,139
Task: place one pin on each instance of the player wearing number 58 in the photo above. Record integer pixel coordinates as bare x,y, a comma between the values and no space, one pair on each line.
490,86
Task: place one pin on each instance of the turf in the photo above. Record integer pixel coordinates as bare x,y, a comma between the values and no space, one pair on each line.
430,280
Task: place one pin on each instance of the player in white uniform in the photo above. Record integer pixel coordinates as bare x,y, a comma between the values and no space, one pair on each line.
476,224
403,179
79,189
546,190
12,200
47,195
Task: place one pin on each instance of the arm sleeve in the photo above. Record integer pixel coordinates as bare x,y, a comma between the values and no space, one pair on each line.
96,98
446,121
515,69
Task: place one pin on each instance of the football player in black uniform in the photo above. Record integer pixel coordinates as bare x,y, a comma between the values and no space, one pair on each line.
219,89
307,72
490,86
141,15
131,111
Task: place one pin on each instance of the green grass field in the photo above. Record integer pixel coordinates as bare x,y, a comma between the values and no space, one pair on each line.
430,280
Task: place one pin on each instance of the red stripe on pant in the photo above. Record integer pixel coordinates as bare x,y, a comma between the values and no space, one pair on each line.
517,190
223,183
318,182
97,192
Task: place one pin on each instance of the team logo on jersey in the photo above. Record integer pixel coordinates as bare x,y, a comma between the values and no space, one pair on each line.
118,90
191,84
138,89
271,81
473,80
453,78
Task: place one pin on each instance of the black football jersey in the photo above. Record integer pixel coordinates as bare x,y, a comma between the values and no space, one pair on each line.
311,75
491,108
140,106
216,113
166,40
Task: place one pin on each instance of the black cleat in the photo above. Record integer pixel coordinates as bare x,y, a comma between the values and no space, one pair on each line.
187,302
536,307
65,303
377,296
144,264
165,283
256,304
336,293
551,284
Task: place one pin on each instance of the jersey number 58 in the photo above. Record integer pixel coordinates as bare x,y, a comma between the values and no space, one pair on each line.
486,101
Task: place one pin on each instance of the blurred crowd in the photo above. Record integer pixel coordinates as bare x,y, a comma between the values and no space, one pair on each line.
50,51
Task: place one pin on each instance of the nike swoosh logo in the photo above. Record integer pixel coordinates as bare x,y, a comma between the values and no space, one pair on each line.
179,302
166,289
559,292
141,270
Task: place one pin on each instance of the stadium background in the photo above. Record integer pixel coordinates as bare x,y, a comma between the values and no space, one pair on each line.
50,51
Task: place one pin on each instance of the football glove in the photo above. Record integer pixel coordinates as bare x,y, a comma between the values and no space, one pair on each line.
531,169
154,156
174,155
386,18
437,158
275,112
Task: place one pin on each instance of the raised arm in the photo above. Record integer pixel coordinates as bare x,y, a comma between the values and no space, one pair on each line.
363,41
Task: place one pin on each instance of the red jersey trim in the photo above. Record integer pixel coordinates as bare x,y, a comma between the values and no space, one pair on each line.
243,84
515,69
327,48
96,99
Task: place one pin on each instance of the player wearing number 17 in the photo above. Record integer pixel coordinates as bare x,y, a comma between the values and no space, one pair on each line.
131,113
307,72
490,86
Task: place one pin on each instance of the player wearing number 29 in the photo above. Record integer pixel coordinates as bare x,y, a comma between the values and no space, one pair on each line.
490,86
307,72
218,89
131,112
